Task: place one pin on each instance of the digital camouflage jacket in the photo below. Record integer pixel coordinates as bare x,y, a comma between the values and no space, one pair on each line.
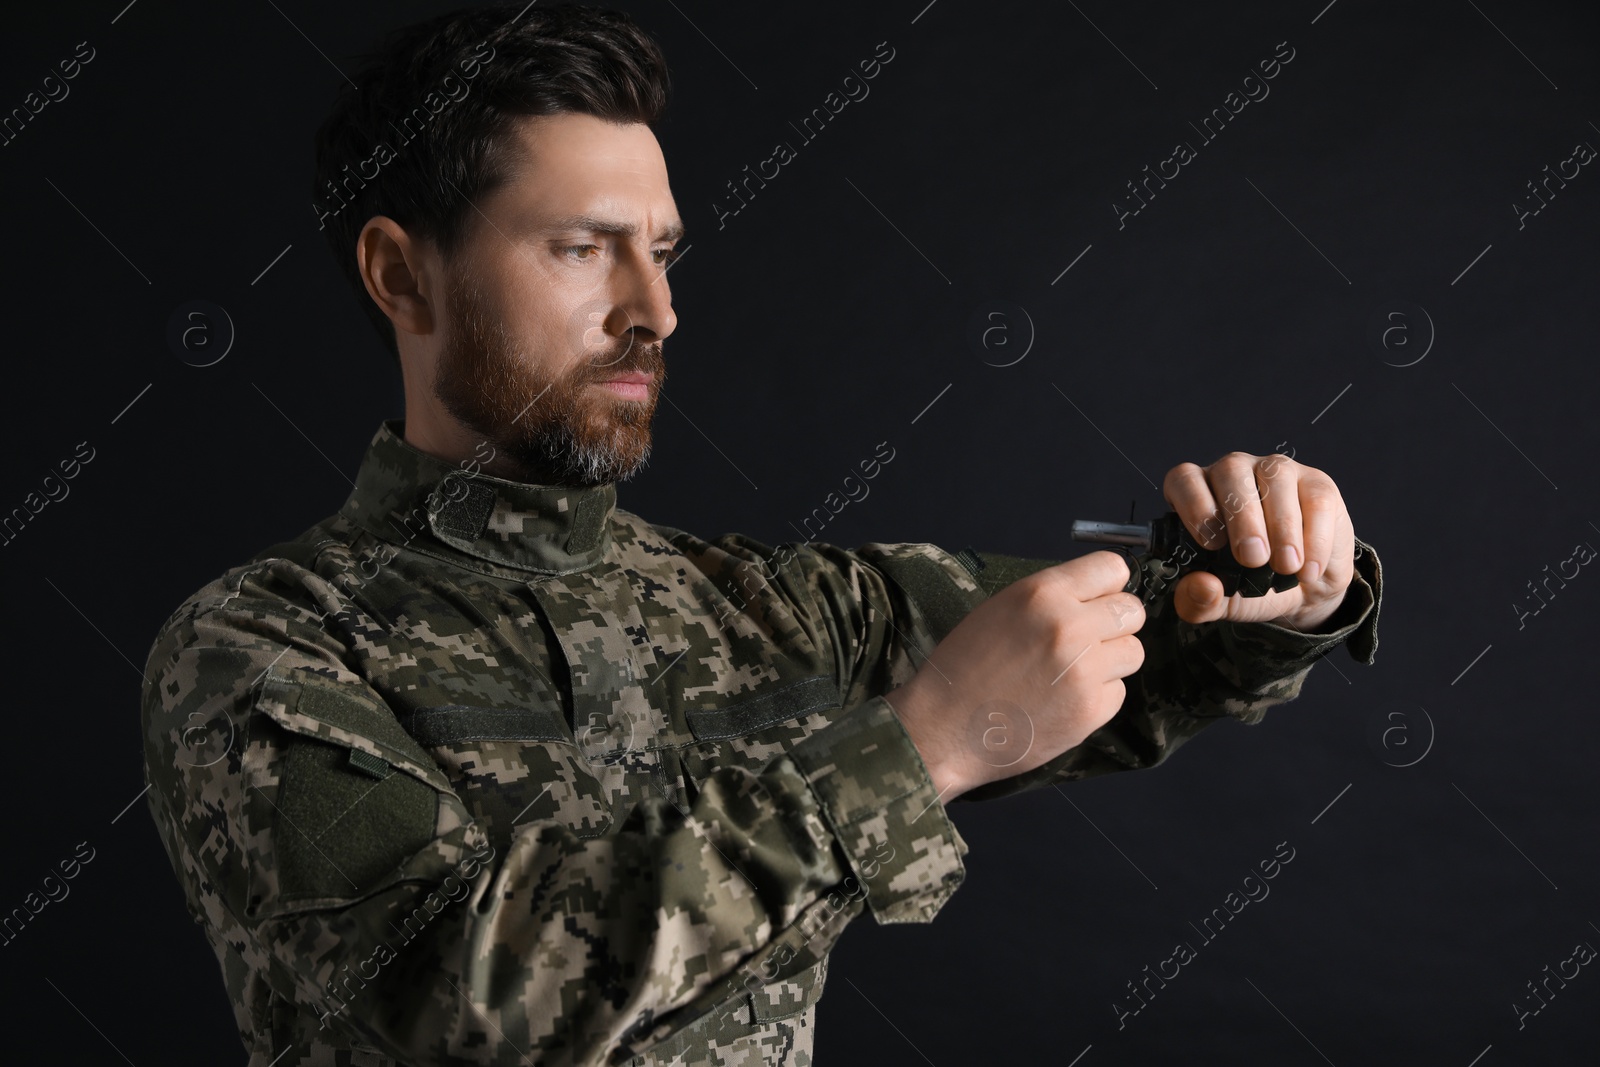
483,772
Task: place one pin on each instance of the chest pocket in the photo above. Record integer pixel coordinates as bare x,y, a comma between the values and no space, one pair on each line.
771,1026
790,997
512,766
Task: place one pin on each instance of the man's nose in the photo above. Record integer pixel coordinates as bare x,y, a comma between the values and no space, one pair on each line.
643,303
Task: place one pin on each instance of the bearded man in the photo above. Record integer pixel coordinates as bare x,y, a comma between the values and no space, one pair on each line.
485,769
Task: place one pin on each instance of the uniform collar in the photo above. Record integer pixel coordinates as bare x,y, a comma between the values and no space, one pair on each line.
405,495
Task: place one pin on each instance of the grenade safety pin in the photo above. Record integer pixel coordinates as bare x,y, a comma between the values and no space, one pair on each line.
1173,553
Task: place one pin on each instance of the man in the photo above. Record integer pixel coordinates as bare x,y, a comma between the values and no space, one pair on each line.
485,769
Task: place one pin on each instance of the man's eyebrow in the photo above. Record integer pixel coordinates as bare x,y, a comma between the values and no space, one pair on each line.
592,224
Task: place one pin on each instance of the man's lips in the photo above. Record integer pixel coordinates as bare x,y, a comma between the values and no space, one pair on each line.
631,386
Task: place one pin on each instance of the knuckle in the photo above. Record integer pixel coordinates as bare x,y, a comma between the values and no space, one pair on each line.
1321,490
1109,558
1036,591
1122,609
1133,609
1058,636
1270,474
1182,473
1043,611
1133,648
1321,501
1324,491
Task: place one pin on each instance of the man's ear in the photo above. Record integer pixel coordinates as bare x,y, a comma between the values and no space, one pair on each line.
398,272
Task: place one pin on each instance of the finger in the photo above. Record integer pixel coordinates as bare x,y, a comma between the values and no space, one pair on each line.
1324,512
1090,576
1198,597
1341,563
1233,483
1124,613
1124,655
1279,477
1187,491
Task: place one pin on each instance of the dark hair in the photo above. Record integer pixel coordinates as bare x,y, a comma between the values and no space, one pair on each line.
433,107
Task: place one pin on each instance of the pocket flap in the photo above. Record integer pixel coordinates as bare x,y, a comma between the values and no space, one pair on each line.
790,997
450,724
763,709
317,707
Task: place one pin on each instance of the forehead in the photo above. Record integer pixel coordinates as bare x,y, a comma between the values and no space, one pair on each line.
570,164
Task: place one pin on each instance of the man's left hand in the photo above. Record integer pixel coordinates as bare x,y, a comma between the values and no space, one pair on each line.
1271,510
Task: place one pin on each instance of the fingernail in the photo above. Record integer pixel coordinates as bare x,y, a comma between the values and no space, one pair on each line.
1311,572
1291,558
1252,548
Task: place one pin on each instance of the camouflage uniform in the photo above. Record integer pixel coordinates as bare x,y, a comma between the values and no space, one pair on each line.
484,772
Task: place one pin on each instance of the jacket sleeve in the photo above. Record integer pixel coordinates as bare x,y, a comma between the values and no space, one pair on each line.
872,615
1195,674
884,607
319,841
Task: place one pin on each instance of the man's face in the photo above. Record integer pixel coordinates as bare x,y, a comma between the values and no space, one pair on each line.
559,289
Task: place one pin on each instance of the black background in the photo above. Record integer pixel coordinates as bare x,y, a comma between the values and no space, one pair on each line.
834,313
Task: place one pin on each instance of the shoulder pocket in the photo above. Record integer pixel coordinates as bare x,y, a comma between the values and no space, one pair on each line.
348,798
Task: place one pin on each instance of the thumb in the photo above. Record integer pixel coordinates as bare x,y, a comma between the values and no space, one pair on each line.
1199,598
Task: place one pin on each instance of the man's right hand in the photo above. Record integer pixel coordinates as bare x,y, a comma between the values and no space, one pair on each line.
1026,675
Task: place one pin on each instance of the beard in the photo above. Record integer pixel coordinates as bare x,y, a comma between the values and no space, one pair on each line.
551,428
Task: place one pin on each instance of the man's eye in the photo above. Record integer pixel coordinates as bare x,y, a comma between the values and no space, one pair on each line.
572,250
667,256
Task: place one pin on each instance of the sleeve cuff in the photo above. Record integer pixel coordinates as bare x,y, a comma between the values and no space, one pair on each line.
888,822
1259,652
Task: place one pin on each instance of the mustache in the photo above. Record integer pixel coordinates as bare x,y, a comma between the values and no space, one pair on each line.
630,358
